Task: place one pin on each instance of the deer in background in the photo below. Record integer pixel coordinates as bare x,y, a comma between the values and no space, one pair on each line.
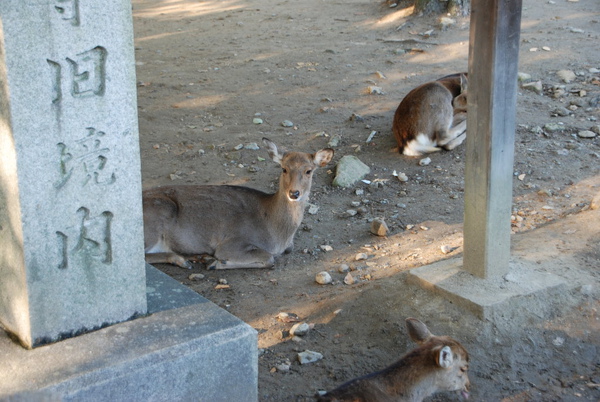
439,364
432,116
238,226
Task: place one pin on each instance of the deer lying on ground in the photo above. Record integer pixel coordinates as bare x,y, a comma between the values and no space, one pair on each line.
439,364
432,116
240,227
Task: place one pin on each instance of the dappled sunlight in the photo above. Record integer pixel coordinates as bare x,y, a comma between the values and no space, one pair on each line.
178,9
443,54
394,18
199,102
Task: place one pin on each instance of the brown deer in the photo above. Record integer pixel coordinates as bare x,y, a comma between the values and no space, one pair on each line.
432,116
240,227
439,364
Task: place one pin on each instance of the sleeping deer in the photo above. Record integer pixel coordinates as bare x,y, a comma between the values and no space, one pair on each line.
432,116
238,226
439,364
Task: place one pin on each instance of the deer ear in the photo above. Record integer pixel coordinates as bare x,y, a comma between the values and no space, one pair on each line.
323,157
272,150
417,331
444,357
464,83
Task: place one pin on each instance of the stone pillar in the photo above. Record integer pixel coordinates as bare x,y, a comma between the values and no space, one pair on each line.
493,63
71,236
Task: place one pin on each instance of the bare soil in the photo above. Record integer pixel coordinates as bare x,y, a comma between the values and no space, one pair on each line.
206,69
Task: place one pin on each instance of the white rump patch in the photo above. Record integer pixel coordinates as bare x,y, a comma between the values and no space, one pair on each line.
420,145
160,247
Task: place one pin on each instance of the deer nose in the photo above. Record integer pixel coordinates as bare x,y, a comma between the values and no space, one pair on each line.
294,194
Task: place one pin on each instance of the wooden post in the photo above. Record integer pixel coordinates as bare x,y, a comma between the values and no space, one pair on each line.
493,67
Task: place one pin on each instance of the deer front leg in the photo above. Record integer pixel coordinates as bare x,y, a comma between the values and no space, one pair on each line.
225,258
168,258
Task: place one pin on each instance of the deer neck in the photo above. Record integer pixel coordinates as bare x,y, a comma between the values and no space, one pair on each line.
288,213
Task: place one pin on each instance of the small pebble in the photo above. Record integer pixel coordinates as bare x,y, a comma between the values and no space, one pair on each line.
309,356
379,227
288,317
425,161
586,134
257,120
349,279
361,256
446,249
300,329
287,123
326,247
195,277
323,278
343,268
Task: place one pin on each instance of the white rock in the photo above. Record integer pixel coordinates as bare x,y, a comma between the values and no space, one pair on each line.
534,86
195,277
361,256
257,120
323,278
373,90
343,268
523,76
326,247
308,356
586,134
425,161
351,212
446,249
558,341
313,209
566,75
300,329
349,279
284,368
287,123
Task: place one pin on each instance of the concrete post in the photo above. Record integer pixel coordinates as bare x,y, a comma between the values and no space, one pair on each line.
493,65
71,238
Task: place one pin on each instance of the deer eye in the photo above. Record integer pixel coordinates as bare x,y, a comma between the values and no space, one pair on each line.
464,369
284,170
308,171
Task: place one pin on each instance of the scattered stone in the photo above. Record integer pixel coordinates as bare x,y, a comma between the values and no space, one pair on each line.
323,278
370,137
238,147
308,356
566,75
521,177
349,279
523,77
288,317
334,141
586,134
553,127
558,341
195,277
425,161
379,227
343,268
349,170
326,247
313,209
409,227
253,146
361,256
379,74
595,129
593,70
300,329
351,212
287,123
223,281
446,249
401,176
218,287
546,48
373,90
534,86
561,111
284,368
576,30
356,117
257,120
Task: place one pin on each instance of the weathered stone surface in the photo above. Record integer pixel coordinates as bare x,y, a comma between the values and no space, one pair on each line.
72,259
349,170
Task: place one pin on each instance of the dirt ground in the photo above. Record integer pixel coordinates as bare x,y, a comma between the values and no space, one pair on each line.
206,69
